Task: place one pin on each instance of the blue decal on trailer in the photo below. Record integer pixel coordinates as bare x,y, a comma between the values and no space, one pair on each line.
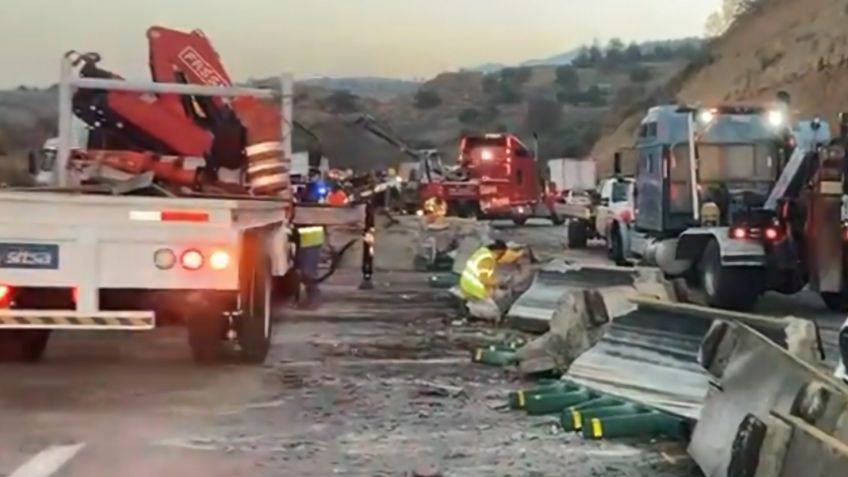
29,255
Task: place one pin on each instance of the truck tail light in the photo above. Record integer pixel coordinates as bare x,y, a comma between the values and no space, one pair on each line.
219,260
771,234
5,295
191,260
739,233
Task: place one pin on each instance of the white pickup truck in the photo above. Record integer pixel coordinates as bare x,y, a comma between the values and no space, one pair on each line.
614,205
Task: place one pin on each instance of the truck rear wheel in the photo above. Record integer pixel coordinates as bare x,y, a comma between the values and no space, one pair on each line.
732,288
23,346
836,302
519,220
253,321
578,234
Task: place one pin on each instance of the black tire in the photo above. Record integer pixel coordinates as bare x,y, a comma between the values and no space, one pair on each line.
519,220
23,346
578,234
206,332
253,324
836,302
557,220
732,288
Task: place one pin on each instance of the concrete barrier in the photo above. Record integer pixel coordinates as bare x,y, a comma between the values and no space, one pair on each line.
404,243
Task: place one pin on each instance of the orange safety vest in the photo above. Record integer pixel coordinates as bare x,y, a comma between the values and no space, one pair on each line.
337,197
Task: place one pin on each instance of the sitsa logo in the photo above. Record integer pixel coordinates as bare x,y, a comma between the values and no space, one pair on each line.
22,257
201,67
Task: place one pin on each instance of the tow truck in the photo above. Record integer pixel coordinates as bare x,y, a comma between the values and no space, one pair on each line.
131,233
736,203
496,177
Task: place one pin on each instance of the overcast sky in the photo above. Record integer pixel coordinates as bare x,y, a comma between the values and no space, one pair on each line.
397,38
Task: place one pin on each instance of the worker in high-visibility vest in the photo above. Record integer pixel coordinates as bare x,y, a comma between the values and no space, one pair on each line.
477,280
310,241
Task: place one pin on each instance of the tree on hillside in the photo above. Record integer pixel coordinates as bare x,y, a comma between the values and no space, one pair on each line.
583,59
516,76
633,53
567,79
595,55
542,115
614,53
427,99
641,74
595,96
342,102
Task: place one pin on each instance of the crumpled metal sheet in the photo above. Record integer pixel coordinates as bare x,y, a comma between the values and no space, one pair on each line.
533,310
649,356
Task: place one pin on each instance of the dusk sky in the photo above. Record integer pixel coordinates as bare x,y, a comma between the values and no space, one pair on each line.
395,38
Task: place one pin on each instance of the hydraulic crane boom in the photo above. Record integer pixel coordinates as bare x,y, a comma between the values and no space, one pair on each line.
236,133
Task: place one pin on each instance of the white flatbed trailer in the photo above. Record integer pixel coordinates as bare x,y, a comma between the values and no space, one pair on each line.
97,262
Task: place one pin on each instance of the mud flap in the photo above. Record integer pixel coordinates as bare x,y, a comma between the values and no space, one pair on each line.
767,412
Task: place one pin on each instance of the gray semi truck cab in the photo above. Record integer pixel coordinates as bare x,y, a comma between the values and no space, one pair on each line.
735,202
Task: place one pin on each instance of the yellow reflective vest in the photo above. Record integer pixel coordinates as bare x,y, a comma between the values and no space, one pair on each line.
311,236
476,275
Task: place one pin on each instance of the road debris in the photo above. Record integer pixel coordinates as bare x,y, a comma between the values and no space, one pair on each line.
426,388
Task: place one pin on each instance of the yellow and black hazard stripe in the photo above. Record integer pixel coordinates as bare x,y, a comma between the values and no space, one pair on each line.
80,321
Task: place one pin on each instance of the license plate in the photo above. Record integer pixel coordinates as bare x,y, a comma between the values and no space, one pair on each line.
29,255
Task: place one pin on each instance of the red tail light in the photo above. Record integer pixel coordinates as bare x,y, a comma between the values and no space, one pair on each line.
5,295
739,233
771,233
192,260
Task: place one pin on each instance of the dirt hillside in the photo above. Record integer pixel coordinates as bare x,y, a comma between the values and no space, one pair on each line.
797,46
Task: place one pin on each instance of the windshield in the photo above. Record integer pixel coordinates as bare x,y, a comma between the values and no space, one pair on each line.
477,142
620,191
48,159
